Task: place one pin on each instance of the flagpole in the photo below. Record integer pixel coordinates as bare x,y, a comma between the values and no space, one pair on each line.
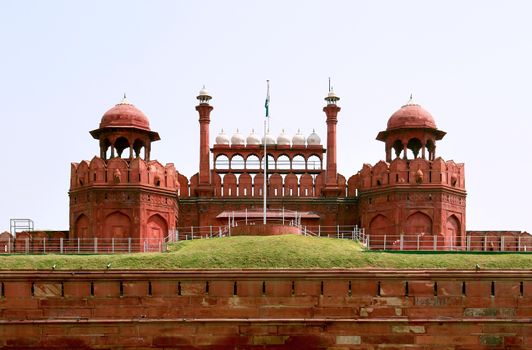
265,180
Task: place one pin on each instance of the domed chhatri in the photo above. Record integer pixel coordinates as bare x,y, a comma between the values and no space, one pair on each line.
237,138
283,139
222,138
411,115
270,140
253,139
125,115
313,139
298,139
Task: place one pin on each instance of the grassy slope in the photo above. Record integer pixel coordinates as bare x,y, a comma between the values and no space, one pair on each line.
288,251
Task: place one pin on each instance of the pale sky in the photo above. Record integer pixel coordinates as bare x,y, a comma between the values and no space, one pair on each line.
64,63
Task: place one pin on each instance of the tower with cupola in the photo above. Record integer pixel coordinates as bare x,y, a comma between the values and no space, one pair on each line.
122,193
413,194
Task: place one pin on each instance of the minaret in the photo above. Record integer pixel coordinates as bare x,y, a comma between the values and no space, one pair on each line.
204,109
331,179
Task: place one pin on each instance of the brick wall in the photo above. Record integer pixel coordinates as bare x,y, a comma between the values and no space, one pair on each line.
282,309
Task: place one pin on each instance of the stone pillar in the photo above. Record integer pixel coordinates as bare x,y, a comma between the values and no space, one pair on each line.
204,176
331,188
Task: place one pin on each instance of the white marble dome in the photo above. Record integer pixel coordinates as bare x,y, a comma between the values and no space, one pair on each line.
222,138
253,139
313,139
270,140
238,138
298,139
283,139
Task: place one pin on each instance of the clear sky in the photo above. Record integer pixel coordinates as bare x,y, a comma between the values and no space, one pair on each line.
64,63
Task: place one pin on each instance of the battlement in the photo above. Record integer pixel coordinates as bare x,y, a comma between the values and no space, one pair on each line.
416,172
119,172
247,185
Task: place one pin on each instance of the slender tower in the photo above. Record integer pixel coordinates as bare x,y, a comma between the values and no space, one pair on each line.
204,178
331,179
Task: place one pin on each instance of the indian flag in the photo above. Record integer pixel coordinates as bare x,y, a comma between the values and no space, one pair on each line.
267,102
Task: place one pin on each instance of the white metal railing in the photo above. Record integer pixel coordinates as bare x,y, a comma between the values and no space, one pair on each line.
423,242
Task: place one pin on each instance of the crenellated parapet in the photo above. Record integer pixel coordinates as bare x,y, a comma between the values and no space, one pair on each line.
250,185
406,173
122,172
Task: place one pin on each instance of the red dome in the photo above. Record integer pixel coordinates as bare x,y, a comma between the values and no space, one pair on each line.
411,116
125,115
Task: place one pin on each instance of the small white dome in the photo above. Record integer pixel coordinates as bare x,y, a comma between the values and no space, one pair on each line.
283,139
204,92
298,139
253,139
313,139
237,138
270,140
222,138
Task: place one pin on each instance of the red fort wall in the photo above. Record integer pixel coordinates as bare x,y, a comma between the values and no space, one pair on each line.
286,309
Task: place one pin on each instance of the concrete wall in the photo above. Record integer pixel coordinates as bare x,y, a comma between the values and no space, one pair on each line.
257,309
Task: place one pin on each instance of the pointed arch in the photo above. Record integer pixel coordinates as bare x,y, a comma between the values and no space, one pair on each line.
117,225
156,228
453,231
81,227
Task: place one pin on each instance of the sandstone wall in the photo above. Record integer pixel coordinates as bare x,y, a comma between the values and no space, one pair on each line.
258,309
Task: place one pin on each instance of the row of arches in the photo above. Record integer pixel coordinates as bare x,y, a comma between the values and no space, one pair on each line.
252,185
255,162
123,147
411,148
383,232
118,225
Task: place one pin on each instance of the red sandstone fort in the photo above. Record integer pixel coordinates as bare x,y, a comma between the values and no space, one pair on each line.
413,195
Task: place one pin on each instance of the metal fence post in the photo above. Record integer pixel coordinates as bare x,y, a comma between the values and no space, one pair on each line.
502,244
219,231
401,242
519,243
435,245
177,235
367,242
44,245
468,243
96,245
305,230
319,230
129,244
192,231
485,243
113,244
78,245
337,231
27,246
9,245
61,244
384,244
210,230
417,242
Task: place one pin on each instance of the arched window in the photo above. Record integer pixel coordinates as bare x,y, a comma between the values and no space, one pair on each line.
298,162
138,148
252,162
222,162
122,144
283,162
237,162
271,162
398,148
414,146
314,162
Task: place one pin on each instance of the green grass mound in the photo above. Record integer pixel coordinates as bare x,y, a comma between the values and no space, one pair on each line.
288,251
